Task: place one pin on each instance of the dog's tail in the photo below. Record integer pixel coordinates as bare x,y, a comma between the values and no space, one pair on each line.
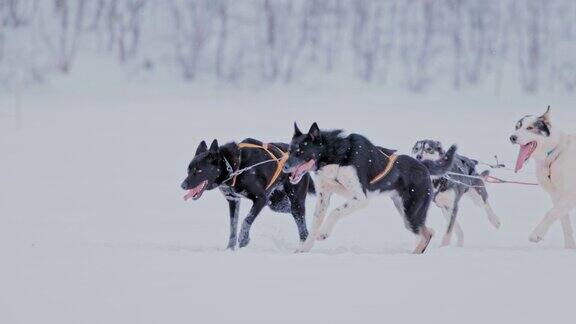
440,167
311,187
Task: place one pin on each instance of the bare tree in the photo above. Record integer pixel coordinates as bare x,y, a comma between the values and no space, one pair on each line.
62,29
193,28
124,20
459,43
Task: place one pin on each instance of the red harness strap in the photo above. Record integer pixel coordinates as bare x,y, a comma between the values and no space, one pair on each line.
391,159
492,179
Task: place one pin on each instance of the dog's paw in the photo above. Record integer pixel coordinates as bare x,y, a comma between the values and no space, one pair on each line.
535,238
496,223
323,234
243,241
445,241
305,247
231,244
302,250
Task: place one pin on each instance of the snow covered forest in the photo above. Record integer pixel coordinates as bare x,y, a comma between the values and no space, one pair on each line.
103,104
414,43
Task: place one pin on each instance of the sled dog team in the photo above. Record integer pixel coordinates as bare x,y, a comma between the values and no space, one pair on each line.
277,175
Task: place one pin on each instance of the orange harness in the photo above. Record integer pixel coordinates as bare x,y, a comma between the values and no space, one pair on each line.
391,159
279,160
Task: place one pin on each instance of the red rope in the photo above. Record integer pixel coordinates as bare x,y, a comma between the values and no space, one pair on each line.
492,179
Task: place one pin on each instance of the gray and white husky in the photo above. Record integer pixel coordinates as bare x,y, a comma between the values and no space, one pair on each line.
449,189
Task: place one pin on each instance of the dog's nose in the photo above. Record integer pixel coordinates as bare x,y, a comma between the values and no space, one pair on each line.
513,139
184,185
418,157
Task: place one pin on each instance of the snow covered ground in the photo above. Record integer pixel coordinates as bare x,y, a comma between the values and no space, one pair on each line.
93,228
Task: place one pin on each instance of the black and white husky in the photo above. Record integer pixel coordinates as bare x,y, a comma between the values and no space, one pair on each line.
354,168
555,155
214,167
451,188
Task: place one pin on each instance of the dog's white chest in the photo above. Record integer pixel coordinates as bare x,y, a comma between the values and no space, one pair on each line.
558,176
544,175
340,179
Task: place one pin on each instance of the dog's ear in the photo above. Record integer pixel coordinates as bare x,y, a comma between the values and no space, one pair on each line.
201,148
418,145
314,132
297,131
439,147
214,148
546,118
414,147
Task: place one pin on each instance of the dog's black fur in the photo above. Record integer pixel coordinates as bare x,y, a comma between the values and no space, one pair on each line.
424,150
210,165
409,178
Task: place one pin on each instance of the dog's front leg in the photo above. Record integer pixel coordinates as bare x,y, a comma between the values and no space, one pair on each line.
551,216
257,206
358,201
350,187
322,203
447,212
234,206
453,223
568,232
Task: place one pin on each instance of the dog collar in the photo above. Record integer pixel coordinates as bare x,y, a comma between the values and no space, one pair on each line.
550,154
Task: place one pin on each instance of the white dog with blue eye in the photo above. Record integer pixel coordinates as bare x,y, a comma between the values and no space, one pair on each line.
555,155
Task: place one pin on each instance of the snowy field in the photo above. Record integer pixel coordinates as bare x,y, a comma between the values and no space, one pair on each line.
93,228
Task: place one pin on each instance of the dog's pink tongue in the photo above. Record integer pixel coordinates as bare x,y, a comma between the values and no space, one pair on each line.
523,155
189,195
302,168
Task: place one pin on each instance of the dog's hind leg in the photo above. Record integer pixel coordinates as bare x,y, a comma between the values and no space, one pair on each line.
479,196
568,232
234,206
425,237
257,206
413,205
